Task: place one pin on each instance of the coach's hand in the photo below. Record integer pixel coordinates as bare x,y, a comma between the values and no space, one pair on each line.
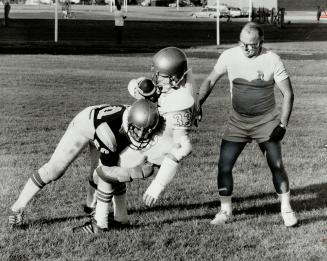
278,133
198,116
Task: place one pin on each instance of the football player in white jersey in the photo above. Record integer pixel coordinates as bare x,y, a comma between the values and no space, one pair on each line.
175,92
111,129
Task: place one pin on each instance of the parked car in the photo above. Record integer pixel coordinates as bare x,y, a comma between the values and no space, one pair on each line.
182,3
245,12
146,3
234,11
209,12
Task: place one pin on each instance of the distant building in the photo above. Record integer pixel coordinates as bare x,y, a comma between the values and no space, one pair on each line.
289,5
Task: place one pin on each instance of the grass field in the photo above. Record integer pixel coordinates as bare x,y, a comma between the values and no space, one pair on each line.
41,93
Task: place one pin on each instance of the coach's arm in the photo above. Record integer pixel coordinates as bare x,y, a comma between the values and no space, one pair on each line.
286,89
206,88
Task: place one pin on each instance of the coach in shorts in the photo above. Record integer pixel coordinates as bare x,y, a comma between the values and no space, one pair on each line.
253,71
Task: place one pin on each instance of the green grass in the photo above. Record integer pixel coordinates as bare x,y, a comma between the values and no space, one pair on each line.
39,96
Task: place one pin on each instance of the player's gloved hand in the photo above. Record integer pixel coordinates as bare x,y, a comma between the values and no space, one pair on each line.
278,133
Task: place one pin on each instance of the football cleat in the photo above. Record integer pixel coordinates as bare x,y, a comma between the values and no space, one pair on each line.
118,224
289,218
90,227
16,219
221,218
89,210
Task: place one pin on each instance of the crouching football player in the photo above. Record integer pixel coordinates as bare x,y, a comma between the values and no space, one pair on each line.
173,89
111,129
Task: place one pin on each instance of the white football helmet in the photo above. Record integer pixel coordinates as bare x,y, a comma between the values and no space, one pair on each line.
169,68
142,122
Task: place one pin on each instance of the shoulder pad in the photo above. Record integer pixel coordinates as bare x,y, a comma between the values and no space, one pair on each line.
178,100
106,136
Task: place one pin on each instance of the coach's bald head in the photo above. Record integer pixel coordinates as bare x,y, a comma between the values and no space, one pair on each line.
251,39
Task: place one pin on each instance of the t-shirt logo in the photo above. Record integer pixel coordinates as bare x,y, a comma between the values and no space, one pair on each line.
260,75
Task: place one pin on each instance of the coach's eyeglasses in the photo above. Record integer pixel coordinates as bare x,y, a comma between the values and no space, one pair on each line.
250,46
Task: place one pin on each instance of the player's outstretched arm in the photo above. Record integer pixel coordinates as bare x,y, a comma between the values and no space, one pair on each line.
169,166
165,175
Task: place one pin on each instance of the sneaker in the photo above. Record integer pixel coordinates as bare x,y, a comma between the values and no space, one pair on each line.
16,219
90,227
289,218
221,218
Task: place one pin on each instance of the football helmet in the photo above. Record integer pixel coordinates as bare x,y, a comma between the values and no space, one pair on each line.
143,88
142,121
169,68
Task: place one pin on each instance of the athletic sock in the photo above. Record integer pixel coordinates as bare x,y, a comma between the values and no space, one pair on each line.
226,204
102,208
28,192
285,202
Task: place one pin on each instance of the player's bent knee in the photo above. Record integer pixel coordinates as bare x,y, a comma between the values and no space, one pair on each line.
50,172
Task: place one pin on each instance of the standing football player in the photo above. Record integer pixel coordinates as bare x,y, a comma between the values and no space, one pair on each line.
253,71
111,129
175,92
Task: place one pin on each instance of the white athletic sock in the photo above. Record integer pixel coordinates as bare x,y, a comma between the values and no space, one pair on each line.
226,204
102,213
120,208
285,202
104,198
28,192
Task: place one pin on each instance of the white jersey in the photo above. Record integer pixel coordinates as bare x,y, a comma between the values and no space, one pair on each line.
177,109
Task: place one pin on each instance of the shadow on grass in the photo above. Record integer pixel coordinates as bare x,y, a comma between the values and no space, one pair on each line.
315,198
317,201
50,221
